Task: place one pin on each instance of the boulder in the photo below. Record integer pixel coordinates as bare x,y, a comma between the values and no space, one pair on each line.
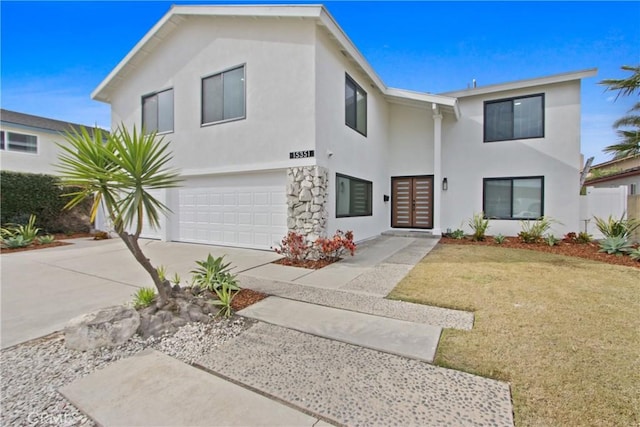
108,327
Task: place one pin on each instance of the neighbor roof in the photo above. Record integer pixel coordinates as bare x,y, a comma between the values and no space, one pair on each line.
43,123
178,14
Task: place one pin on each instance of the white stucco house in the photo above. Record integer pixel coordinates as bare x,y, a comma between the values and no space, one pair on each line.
278,123
28,142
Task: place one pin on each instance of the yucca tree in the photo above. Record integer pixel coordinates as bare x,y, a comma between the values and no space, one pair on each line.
118,170
629,144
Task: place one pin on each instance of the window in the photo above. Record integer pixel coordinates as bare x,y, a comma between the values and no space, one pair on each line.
516,118
12,141
223,96
157,112
514,198
353,196
355,106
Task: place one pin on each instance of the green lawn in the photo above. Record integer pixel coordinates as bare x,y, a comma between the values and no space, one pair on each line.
564,332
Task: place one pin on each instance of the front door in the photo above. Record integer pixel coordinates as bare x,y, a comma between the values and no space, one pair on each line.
412,202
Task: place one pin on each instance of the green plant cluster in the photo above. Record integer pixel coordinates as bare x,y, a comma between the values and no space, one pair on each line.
479,225
617,233
215,276
533,231
14,236
25,194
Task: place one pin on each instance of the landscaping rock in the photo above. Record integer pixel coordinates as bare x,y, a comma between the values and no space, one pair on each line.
108,327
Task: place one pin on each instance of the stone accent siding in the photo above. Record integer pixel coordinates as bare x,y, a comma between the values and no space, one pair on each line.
306,201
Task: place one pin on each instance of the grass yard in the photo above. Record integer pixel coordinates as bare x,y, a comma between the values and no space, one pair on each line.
563,331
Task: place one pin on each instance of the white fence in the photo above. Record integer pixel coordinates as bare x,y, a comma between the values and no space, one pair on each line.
601,202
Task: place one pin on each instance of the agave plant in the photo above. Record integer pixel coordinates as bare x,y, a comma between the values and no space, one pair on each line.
615,245
212,273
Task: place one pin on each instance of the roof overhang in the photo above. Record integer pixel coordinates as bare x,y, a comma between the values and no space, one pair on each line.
521,84
444,104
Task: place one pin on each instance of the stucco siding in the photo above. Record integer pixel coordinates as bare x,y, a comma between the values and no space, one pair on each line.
41,162
353,154
410,141
467,159
278,58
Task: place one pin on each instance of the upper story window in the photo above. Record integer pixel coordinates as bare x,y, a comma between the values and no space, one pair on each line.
157,112
13,141
223,96
355,106
514,118
513,198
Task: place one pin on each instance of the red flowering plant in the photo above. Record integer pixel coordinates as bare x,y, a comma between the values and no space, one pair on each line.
293,247
333,248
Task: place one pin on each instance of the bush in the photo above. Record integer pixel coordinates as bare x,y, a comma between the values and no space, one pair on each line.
212,273
479,226
293,247
499,239
457,234
615,245
25,194
333,248
532,231
612,227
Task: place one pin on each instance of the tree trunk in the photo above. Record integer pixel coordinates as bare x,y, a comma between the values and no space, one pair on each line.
131,242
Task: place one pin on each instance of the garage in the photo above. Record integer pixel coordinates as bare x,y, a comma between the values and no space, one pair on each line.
247,211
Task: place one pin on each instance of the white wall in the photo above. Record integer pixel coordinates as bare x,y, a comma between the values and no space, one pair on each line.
353,154
279,58
467,160
40,162
601,203
410,141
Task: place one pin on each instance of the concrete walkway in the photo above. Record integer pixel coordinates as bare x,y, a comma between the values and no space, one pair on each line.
328,347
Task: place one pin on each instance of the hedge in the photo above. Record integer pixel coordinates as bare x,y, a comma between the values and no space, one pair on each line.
23,194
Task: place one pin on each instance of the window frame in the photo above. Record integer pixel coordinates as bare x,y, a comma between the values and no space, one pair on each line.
512,179
173,113
357,87
244,95
513,100
5,144
369,194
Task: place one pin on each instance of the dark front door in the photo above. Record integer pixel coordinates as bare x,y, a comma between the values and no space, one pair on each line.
412,202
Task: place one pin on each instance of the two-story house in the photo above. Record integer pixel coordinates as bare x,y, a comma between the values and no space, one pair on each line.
278,123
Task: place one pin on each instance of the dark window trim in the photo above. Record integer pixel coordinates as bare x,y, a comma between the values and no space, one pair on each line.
495,101
5,144
512,178
156,93
340,175
203,78
366,127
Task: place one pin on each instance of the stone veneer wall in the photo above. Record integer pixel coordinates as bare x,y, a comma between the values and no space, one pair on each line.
306,201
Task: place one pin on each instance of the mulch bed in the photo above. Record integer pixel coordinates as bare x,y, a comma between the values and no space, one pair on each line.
306,263
245,297
57,242
581,250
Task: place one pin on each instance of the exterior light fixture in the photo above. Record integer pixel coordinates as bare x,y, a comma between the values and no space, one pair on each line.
445,184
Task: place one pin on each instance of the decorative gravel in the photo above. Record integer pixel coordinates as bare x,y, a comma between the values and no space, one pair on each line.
32,372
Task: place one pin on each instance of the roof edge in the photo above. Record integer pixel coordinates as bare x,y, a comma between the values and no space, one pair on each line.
525,83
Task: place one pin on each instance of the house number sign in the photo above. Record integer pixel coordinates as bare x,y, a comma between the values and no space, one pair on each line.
302,154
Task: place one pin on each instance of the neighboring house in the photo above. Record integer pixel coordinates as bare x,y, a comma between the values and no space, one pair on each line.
615,173
278,123
28,143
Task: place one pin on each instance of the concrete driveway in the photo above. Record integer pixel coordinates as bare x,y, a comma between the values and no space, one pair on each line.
43,289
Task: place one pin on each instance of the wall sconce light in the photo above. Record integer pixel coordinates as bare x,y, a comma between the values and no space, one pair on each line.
386,198
445,184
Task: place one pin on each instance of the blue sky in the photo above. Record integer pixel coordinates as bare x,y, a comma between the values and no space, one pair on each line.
53,54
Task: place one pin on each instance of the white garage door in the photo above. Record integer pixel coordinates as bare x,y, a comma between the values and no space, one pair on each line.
243,216
147,231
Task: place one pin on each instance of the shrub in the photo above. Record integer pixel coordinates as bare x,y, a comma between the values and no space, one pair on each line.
457,234
612,227
551,240
293,247
499,239
212,273
43,240
143,297
635,254
333,248
14,242
225,293
24,194
570,237
584,237
532,231
479,226
615,245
